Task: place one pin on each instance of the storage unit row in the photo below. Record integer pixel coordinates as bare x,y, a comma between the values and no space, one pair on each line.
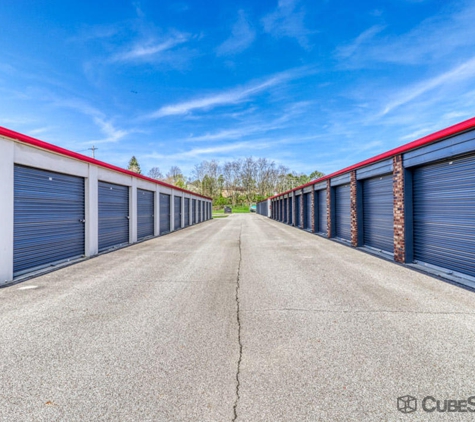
416,204
58,208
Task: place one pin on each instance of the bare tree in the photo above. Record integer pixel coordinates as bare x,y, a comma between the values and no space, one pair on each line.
155,173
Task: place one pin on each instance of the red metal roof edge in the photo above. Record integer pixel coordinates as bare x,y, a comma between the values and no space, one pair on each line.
433,137
63,151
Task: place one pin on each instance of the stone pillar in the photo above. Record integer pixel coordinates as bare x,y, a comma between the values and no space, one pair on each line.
312,210
354,209
399,215
329,209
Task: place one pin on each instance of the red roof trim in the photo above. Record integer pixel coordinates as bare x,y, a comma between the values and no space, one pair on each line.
58,150
434,137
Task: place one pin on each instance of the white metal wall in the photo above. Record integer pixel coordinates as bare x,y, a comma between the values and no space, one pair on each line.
14,152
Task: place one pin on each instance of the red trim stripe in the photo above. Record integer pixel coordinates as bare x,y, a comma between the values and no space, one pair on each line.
16,136
434,137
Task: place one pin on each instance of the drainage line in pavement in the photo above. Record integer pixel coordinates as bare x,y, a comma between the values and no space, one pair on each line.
238,318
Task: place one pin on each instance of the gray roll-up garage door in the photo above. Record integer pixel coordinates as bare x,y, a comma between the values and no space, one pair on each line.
113,215
343,212
193,210
298,223
145,213
177,212
321,211
378,219
187,212
48,218
164,213
444,214
199,211
307,211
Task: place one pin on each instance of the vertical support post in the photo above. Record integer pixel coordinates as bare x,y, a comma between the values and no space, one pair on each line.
312,210
354,209
399,209
330,219
182,218
172,211
157,211
133,211
301,210
7,159
92,212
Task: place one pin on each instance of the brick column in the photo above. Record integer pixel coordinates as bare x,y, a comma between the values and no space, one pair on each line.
329,208
312,211
399,217
354,209
301,210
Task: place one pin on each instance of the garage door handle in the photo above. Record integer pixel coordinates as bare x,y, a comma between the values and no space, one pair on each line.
128,218
82,221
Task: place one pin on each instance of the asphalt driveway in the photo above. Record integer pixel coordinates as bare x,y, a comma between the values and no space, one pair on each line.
239,318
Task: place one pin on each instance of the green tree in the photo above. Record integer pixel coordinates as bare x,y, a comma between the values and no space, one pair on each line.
316,175
134,165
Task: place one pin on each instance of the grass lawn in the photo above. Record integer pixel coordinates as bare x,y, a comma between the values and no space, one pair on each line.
235,210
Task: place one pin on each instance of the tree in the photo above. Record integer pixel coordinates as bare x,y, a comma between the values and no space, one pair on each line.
316,175
175,177
155,173
134,165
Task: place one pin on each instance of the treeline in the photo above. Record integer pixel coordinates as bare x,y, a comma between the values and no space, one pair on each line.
237,182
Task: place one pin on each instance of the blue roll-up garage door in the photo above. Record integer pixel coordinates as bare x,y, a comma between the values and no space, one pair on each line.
193,210
113,215
164,213
444,214
321,211
378,219
343,212
145,213
298,223
199,211
177,212
187,212
48,218
285,210
307,211
291,211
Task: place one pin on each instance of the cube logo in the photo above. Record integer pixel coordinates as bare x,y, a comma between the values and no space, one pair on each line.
407,404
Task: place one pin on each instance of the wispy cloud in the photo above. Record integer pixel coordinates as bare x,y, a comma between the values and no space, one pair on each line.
106,126
288,21
364,38
150,49
421,44
456,75
233,96
259,126
242,36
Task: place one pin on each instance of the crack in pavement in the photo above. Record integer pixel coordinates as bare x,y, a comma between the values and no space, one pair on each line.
238,318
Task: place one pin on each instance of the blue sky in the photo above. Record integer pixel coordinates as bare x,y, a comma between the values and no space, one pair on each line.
316,84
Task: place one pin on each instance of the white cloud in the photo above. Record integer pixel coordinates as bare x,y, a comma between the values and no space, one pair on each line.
364,38
434,38
287,21
149,50
456,76
233,96
242,37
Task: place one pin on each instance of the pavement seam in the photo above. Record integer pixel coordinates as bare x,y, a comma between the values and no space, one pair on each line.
238,318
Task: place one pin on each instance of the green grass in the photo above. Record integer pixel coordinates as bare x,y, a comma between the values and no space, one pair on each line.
239,210
220,216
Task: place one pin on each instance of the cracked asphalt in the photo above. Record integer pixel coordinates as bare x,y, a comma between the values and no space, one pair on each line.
240,319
